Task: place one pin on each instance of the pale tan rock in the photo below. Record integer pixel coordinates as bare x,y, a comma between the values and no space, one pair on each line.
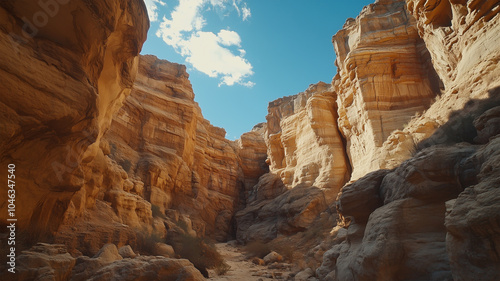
139,268
384,77
304,144
185,162
127,252
108,254
252,151
428,216
461,38
304,275
43,262
307,164
162,249
273,257
150,268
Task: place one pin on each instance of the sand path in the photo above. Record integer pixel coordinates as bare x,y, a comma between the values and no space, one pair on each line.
243,269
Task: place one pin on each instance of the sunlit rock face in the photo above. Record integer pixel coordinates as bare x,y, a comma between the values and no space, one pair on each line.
66,68
384,78
461,39
307,166
304,144
160,137
433,217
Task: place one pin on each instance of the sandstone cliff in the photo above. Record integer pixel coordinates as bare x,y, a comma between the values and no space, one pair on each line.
460,37
111,147
161,160
65,70
433,217
160,138
307,166
385,76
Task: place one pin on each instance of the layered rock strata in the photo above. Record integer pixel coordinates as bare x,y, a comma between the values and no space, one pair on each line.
66,68
307,166
385,76
304,144
185,163
433,217
461,38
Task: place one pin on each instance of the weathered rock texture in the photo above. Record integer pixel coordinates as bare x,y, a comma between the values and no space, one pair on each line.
53,262
461,38
307,164
304,144
384,77
160,137
252,151
162,166
432,218
65,70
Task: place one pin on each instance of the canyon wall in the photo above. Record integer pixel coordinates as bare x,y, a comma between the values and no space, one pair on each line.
402,147
434,216
97,162
307,166
160,137
65,70
162,165
385,76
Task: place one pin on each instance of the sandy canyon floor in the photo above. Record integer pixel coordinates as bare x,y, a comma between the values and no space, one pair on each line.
242,268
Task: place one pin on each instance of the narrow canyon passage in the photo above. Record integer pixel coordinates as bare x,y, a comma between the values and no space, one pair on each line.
243,269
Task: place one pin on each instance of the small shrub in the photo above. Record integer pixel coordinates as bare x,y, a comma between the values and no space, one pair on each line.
183,225
112,148
126,165
257,249
200,252
285,250
157,213
222,269
146,242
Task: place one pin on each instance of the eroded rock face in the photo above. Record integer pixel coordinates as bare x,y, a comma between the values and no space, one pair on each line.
431,218
307,166
252,151
461,38
160,138
384,77
66,69
304,144
53,262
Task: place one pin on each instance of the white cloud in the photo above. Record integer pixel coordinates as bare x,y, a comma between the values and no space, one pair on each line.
206,51
236,7
229,38
246,12
152,8
206,54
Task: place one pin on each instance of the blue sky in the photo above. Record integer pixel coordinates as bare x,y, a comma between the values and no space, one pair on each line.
242,54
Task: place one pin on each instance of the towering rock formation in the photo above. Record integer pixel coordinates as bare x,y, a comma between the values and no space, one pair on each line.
434,216
416,93
384,78
460,37
307,164
304,144
160,137
66,68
